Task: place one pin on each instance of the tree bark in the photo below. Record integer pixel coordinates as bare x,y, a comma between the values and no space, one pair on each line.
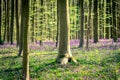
114,34
4,36
12,21
17,22
89,26
41,22
64,54
82,24
21,36
7,21
95,21
0,21
25,22
58,24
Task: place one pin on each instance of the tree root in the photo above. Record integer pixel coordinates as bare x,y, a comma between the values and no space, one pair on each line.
65,60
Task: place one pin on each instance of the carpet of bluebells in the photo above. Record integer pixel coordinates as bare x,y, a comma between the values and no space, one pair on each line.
100,62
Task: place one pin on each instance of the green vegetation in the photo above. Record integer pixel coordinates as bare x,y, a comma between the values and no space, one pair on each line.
92,65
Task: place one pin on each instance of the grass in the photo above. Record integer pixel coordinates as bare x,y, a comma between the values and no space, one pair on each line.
94,64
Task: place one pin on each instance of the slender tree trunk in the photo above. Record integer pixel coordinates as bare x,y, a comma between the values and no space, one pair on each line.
17,22
0,21
95,21
114,34
33,22
4,36
21,36
82,24
104,28
41,32
58,25
7,18
25,22
64,43
107,19
12,21
89,26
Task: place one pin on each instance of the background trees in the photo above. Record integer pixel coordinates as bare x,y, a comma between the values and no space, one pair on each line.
57,21
43,20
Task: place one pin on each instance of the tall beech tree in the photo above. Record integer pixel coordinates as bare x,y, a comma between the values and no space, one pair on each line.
25,22
12,22
58,24
82,23
17,20
64,54
0,22
21,36
41,22
89,24
7,20
114,33
95,21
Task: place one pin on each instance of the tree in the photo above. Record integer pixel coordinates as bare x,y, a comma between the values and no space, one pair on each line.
89,26
0,23
17,22
25,22
41,22
21,36
95,21
64,54
7,20
114,34
58,25
82,24
12,21
5,5
33,21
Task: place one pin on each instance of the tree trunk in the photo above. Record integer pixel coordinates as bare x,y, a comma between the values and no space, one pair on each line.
41,22
4,36
33,22
89,26
95,21
64,54
114,34
25,22
7,21
0,21
58,24
12,21
17,22
82,24
21,36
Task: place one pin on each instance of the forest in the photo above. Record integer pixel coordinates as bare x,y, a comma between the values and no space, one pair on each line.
59,39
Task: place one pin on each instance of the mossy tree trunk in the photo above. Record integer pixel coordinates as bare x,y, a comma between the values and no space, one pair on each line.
25,22
95,21
82,23
64,54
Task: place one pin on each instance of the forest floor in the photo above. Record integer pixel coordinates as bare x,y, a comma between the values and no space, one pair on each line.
100,62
